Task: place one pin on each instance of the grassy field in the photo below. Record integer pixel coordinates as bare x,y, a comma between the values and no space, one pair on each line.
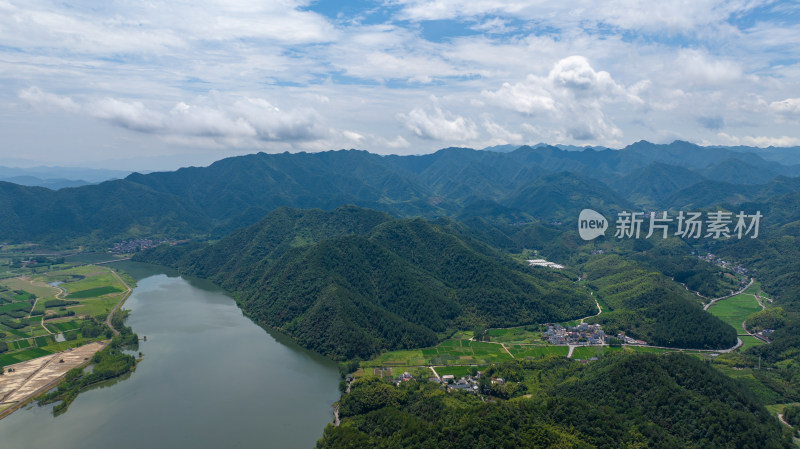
526,334
37,287
449,352
735,309
536,352
11,358
749,342
587,352
92,292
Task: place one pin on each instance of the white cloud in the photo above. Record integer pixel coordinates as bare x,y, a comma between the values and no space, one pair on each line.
698,68
187,75
789,107
672,16
439,125
494,25
572,95
397,142
761,141
353,136
38,97
499,134
226,120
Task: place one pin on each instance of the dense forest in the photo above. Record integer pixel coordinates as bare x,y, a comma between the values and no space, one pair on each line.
352,282
649,306
623,401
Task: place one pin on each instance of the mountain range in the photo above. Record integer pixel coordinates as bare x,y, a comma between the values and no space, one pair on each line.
529,184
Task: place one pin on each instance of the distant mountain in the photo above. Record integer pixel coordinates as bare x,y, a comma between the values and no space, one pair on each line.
785,155
87,175
650,185
352,282
53,184
501,148
88,214
737,171
708,194
234,192
563,195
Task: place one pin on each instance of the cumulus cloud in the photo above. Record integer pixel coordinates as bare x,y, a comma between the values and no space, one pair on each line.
572,94
789,107
439,125
232,120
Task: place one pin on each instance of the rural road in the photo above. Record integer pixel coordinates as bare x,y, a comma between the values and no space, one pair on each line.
728,296
119,304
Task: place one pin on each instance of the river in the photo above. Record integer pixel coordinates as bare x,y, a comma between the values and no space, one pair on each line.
210,378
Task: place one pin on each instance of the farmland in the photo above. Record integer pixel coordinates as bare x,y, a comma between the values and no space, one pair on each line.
453,352
734,310
43,313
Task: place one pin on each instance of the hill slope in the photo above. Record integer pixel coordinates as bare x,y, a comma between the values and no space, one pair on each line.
630,401
352,282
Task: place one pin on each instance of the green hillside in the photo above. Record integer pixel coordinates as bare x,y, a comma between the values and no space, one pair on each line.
352,282
625,401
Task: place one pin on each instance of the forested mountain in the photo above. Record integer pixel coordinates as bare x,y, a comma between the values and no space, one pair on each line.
352,282
669,401
650,307
430,244
535,183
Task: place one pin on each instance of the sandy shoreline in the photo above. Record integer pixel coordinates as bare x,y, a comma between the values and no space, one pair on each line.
33,377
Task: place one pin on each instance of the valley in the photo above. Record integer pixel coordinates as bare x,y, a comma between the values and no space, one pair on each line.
481,300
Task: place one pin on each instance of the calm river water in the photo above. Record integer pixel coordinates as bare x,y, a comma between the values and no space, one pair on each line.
210,378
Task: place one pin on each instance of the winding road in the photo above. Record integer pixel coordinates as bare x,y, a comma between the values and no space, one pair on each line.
127,293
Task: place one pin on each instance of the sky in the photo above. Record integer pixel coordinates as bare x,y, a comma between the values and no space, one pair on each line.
137,84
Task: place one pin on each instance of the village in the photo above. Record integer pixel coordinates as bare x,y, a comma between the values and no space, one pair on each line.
470,383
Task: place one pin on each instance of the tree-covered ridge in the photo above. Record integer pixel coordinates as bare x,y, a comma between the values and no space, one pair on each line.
352,282
542,183
622,401
651,307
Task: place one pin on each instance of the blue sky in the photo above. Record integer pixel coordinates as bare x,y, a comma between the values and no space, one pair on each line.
149,85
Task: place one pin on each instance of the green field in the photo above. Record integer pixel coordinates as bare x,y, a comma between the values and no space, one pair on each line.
94,292
21,356
38,288
449,352
526,334
749,342
536,352
587,352
735,309
62,326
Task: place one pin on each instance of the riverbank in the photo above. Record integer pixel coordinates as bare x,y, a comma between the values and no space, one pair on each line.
24,381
